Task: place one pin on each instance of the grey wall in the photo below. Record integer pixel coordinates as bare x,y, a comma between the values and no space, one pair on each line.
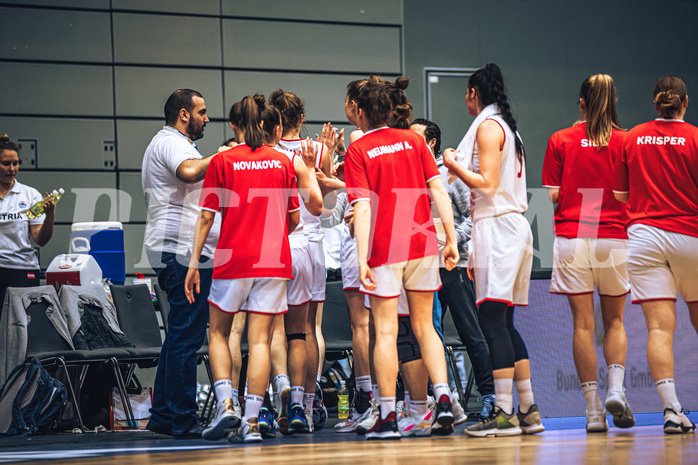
546,49
84,82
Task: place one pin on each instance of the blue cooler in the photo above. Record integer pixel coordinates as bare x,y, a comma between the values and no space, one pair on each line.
105,242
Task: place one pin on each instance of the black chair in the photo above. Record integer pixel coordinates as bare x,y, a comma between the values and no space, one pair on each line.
50,348
452,341
336,324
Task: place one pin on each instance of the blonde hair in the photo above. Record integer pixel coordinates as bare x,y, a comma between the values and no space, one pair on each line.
669,94
599,95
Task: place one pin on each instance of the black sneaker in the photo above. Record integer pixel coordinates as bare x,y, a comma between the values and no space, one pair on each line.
362,401
444,412
385,429
194,431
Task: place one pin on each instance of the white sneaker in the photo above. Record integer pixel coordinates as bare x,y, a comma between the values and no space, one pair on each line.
225,419
459,415
404,419
597,422
617,405
247,432
369,420
349,425
309,417
417,425
677,423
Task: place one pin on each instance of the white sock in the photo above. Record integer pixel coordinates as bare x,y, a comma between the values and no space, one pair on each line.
419,407
224,390
374,392
525,392
252,406
591,394
364,383
297,394
616,375
281,382
308,401
441,389
236,396
667,392
387,405
503,393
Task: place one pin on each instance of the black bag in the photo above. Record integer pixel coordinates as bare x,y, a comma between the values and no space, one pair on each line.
31,400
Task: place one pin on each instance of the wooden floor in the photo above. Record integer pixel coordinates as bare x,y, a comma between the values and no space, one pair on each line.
639,445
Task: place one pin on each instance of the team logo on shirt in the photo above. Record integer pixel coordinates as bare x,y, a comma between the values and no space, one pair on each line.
257,165
392,148
22,205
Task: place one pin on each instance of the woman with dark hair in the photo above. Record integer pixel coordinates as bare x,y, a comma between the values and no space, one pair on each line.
292,110
501,257
657,175
388,172
591,243
253,185
19,265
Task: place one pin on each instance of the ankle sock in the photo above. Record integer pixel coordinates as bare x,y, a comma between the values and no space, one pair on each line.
363,383
308,401
252,406
441,389
297,394
281,382
591,394
387,405
667,392
616,375
224,390
419,407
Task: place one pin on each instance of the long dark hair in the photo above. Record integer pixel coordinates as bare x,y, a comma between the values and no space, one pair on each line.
431,131
246,115
489,86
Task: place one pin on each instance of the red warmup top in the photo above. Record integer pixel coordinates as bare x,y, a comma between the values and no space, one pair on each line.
254,191
659,171
390,168
586,206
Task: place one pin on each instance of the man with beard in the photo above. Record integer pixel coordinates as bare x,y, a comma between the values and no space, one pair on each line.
172,175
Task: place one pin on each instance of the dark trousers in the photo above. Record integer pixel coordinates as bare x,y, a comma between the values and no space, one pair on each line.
174,392
13,277
458,294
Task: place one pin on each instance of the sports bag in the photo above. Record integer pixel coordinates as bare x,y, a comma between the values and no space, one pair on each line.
31,400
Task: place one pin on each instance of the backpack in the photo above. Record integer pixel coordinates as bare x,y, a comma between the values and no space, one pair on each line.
31,400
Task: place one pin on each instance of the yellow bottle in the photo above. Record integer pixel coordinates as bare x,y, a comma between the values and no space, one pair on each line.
38,208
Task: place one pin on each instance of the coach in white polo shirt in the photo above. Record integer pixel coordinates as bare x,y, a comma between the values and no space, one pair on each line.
172,174
19,265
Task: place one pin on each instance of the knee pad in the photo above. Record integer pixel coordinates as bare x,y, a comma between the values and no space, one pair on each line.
407,346
295,336
494,327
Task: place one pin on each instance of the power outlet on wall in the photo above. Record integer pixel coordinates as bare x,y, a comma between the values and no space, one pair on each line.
27,153
109,155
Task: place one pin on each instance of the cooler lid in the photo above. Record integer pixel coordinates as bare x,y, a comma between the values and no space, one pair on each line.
96,226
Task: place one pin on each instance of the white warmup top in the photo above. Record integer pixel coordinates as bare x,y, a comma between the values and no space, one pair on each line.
311,224
16,250
297,237
173,205
511,195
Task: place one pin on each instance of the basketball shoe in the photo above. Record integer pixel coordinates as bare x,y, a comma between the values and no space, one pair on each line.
225,419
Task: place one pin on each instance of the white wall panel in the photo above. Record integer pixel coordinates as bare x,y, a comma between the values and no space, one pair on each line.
199,7
360,11
133,137
142,92
36,34
65,142
323,93
311,47
37,88
166,39
88,196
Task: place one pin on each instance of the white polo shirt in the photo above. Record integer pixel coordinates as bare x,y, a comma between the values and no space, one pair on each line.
16,250
173,205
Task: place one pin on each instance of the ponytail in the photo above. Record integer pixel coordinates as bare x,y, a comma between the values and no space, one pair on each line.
246,116
290,107
669,94
402,108
488,82
599,95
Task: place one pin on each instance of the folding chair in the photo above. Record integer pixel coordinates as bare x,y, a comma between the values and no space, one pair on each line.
336,324
452,341
50,348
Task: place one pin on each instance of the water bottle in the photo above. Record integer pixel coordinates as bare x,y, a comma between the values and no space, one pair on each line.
343,404
38,208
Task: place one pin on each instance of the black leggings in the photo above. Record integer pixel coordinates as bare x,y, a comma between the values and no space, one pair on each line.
505,343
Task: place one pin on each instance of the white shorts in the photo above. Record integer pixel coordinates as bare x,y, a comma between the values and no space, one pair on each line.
421,274
319,271
660,262
298,289
403,308
502,257
581,263
253,295
350,266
